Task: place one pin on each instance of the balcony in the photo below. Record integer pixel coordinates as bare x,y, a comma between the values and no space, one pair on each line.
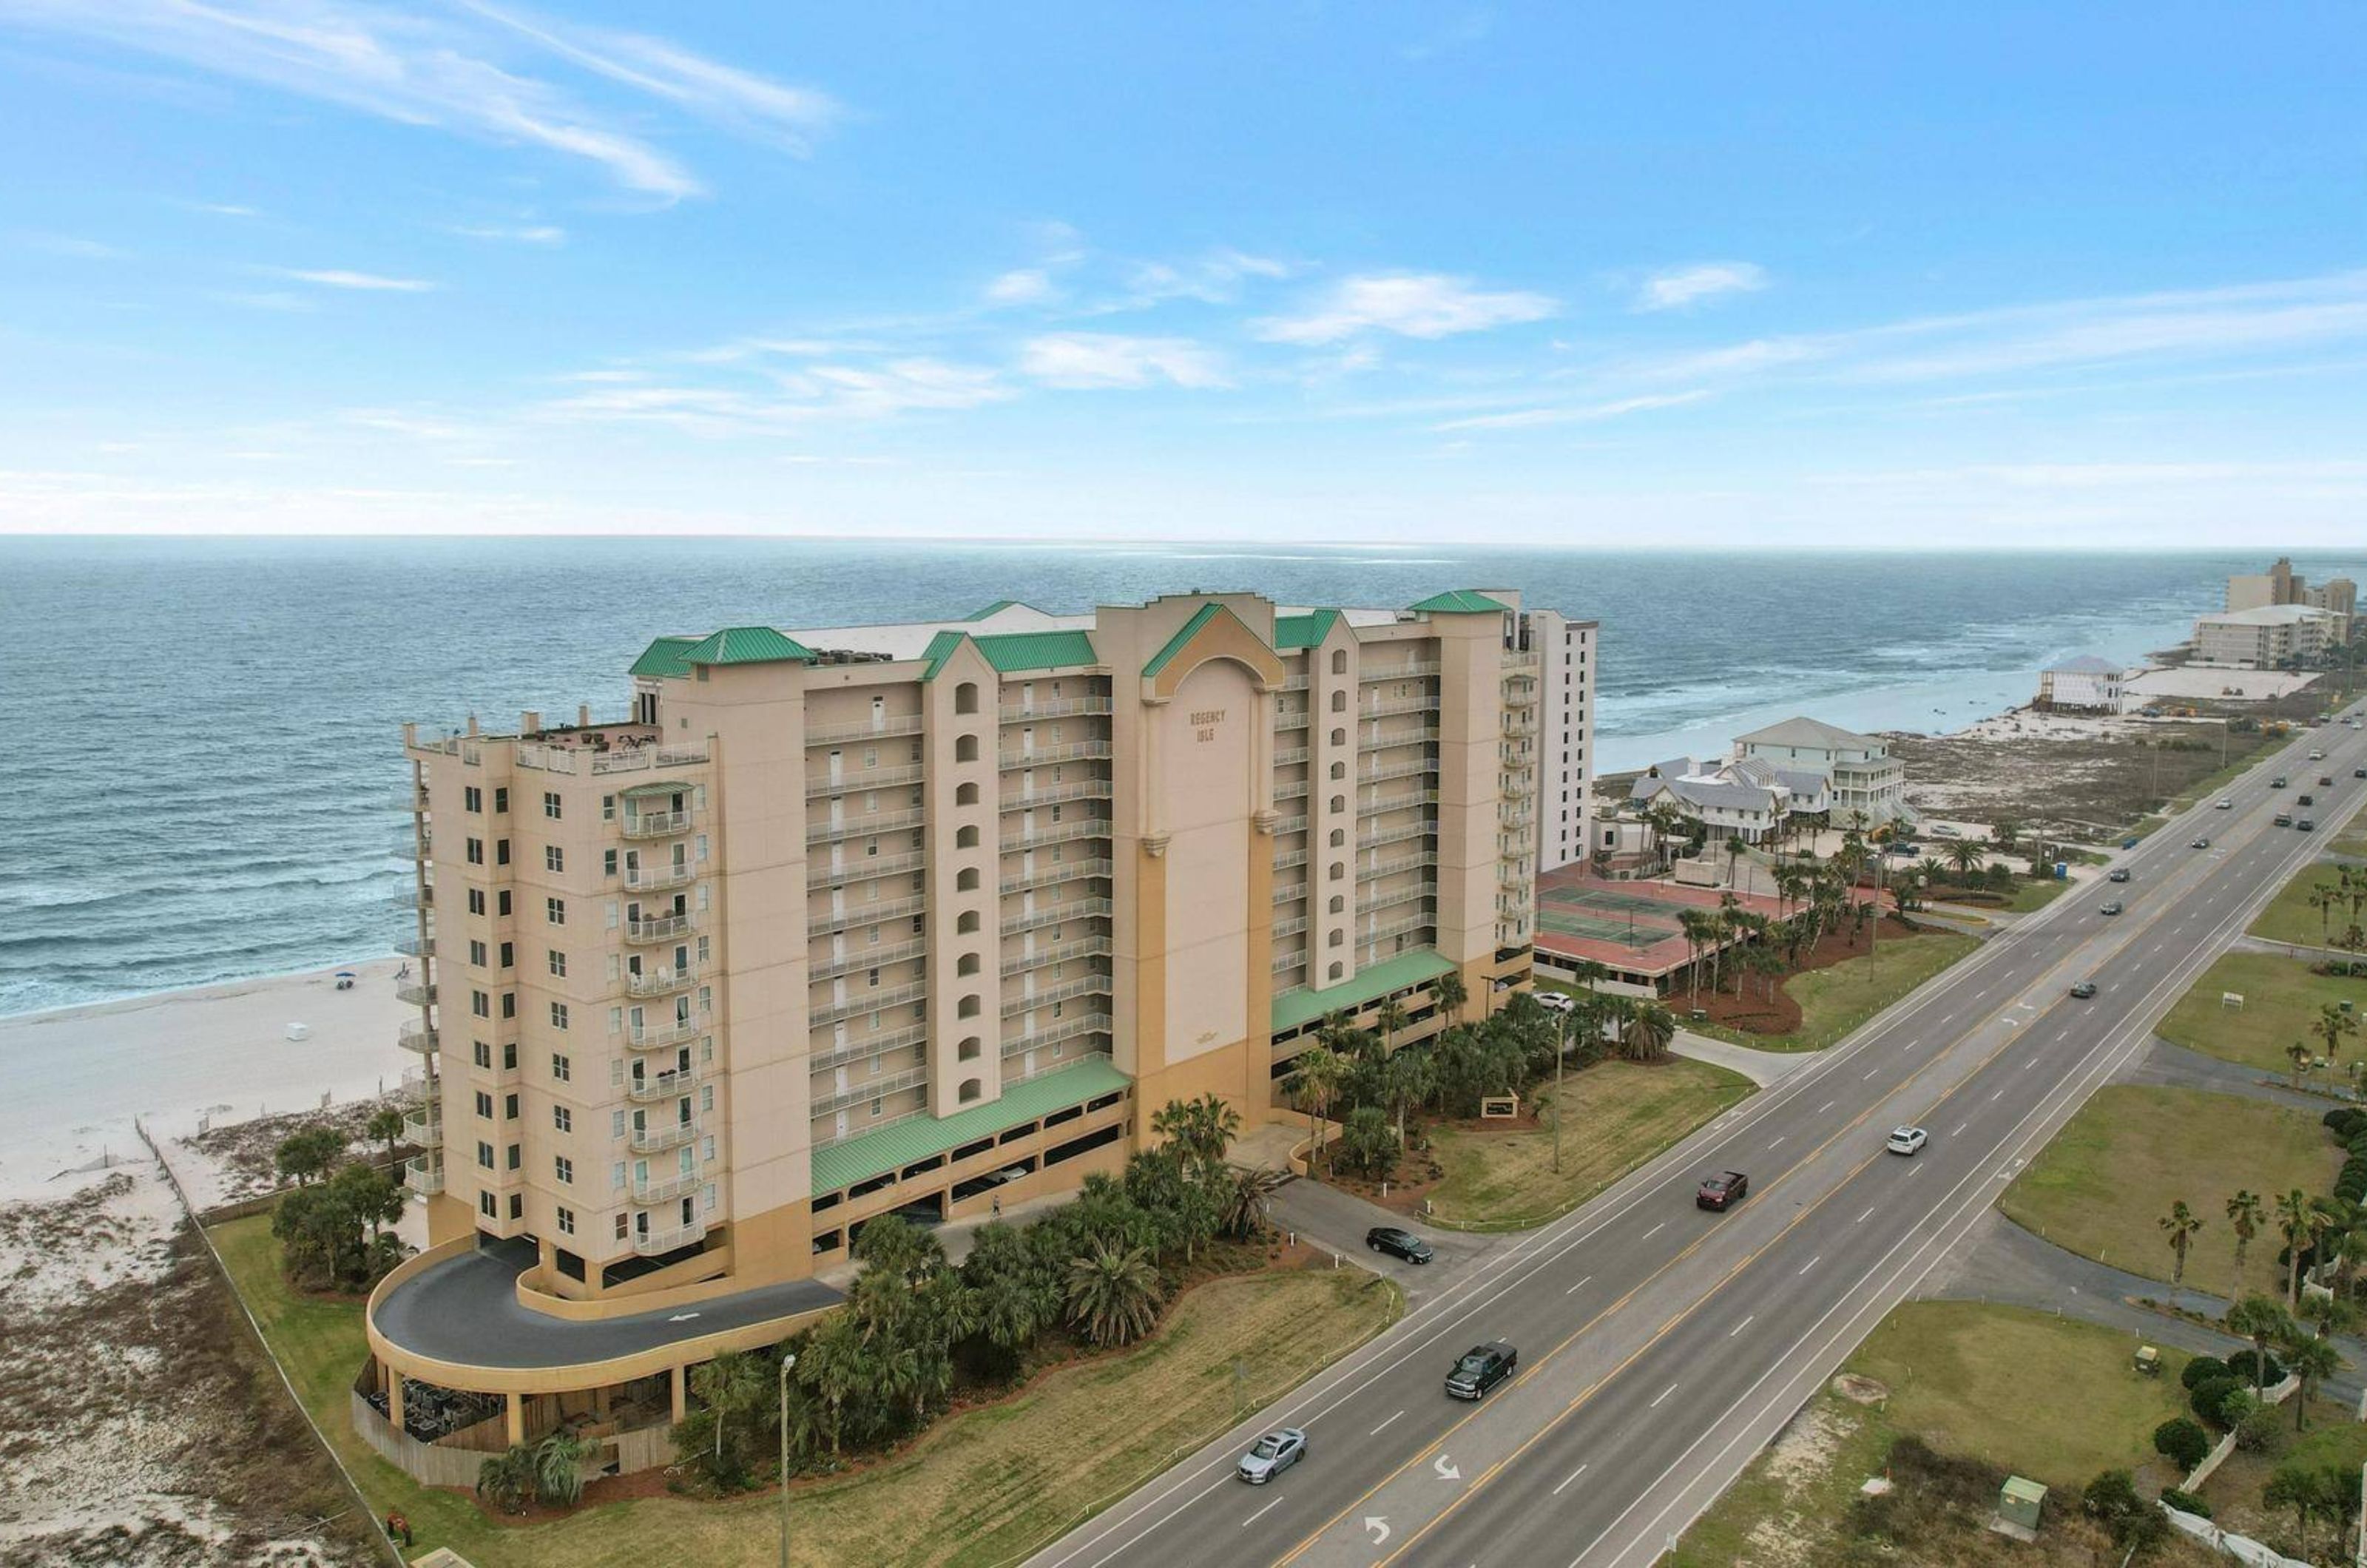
661,1086
659,928
1086,947
424,1128
863,868
655,824
1092,984
668,1032
865,781
864,825
419,1037
666,1136
1290,927
1289,892
416,946
1403,862
1398,771
1057,707
416,994
1052,795
866,958
419,1082
1285,860
872,914
1397,835
1284,963
1520,726
661,1189
1058,914
1283,758
1521,694
865,1047
1410,894
1055,872
1404,801
1290,718
1421,736
658,878
1072,751
1412,671
868,1000
1395,929
639,759
1058,833
1517,787
413,898
659,982
1398,705
880,1088
1294,790
657,1244
1054,1033
1296,683
1517,660
886,727
424,1176
1283,825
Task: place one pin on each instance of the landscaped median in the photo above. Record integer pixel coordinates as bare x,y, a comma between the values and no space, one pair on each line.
982,1486
1833,1000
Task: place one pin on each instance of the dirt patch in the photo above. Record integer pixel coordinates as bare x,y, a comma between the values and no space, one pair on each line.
1756,1012
1859,1390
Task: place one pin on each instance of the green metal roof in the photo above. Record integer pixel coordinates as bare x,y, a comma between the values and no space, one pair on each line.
1460,601
941,648
1011,652
748,645
1191,628
1372,982
679,786
997,608
1293,632
664,657
876,1154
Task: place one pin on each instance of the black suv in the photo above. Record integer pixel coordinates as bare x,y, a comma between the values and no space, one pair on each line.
1721,1191
1482,1368
1399,1244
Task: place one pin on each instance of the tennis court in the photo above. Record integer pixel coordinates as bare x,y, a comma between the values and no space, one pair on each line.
1631,926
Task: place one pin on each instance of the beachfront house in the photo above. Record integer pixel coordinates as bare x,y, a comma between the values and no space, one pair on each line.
1727,800
1860,774
2084,684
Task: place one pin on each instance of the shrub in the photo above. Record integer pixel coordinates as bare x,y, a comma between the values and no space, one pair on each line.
2211,1394
2185,1503
2344,1122
2271,1372
2356,1145
2259,1429
2201,1369
2181,1441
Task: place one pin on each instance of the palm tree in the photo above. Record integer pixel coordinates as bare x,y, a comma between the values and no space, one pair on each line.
1452,995
1932,867
1699,930
2004,831
1247,1199
506,1479
385,1126
2258,1319
727,1385
1203,1128
1114,1294
1008,1311
2180,1225
2243,1215
1965,855
1650,1029
2295,1216
1313,1080
2298,1055
837,1366
1405,1079
2333,1026
2326,897
558,1468
2311,1359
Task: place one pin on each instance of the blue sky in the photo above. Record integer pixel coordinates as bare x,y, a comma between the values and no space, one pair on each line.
1723,276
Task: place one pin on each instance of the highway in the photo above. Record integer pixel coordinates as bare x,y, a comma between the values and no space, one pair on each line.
1662,1347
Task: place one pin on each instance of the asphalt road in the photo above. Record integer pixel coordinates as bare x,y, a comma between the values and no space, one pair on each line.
1661,1347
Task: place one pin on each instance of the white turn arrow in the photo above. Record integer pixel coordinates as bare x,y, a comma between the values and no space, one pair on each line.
1380,1528
682,1317
1445,1471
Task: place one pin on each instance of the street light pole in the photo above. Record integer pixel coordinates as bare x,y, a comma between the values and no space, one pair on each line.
787,1361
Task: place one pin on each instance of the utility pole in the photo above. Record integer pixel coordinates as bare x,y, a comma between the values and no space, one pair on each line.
787,1361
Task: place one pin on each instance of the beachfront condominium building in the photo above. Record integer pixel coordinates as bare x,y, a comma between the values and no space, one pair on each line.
2267,636
932,918
2279,585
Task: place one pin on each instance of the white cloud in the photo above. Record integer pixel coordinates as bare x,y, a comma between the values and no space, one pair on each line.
1213,280
1690,285
1086,360
1024,286
1521,419
369,282
517,233
771,403
74,245
1420,305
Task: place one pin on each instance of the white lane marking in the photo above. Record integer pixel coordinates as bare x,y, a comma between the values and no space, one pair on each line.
1743,1325
1862,1218
1261,1512
1664,1394
1826,1106
1960,1127
2031,1063
1384,1425
1998,1094
1869,1073
1565,1480
1571,1291
1776,1145
1656,1230
1811,1263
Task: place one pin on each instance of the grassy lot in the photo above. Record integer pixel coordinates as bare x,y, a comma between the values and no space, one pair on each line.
2282,999
1615,1116
2101,1186
1837,998
2041,1396
2289,917
982,1487
2335,1441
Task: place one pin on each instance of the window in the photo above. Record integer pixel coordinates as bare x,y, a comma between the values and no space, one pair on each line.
1338,770
624,1228
1337,971
502,903
617,1130
566,1217
967,1008
966,698
1338,871
966,923
480,1004
551,803
485,1155
562,1118
510,1106
967,963
560,1069
1338,937
473,797
966,881
476,851
565,1169
608,809
971,1090
501,852
1339,662
968,1050
509,1004
484,1105
1338,738
965,837
554,859
558,1015
481,1054
966,795
558,961
509,1056
476,900
1339,804
485,1206
1338,905
965,748
555,911
501,799
1339,702
516,1152
509,954
478,953
608,862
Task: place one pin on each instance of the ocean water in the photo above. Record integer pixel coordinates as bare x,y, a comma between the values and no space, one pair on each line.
207,755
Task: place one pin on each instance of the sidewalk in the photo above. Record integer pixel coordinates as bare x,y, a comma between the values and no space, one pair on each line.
1762,1067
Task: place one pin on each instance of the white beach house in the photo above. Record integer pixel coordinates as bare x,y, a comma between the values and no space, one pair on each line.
2085,685
1858,771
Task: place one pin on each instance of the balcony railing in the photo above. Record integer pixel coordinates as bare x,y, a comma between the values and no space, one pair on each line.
413,898
660,927
1055,871
1517,660
1288,755
416,994
659,982
419,1081
1398,705
1402,863
862,826
660,1190
1398,771
1294,790
1052,795
1058,914
1404,801
1412,671
1286,824
1397,928
1091,984
1521,694
658,878
657,1244
1296,683
1055,1032
424,1176
887,727
1068,751
865,1047
1057,707
1395,835
863,868
655,824
666,1136
1085,947
871,1088
1518,786
416,1037
655,1087
869,1001
417,946
1285,893
869,779
1411,895
1420,737
873,914
866,958
619,759
1290,927
1283,859
424,1128
657,1036
1284,963
1058,833
1520,726
1289,719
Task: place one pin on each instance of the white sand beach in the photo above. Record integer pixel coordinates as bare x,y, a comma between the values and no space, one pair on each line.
80,1075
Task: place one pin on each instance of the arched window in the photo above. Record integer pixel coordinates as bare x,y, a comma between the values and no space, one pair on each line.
966,795
965,837
971,1090
1338,770
1338,738
1339,662
1339,837
966,881
1339,804
1338,905
1338,871
967,1008
966,964
1337,971
965,748
966,698
966,923
1338,939
1339,702
968,1050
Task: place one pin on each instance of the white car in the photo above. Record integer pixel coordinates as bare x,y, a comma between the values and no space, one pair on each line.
2226,806
1274,1453
2318,756
1907,1140
1557,1002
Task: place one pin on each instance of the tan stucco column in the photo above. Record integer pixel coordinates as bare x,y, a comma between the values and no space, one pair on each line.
600,1402
1262,754
517,1418
681,1378
394,1397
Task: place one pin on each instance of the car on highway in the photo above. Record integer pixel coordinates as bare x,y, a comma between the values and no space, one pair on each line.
1907,1140
1399,1243
2282,819
2318,756
1482,1368
2359,772
2111,908
2325,781
2200,844
2120,874
2277,782
1272,1454
2084,989
2226,806
2305,826
1721,1191
2305,800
